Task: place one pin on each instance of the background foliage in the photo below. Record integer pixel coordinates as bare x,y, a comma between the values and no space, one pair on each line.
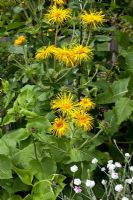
34,163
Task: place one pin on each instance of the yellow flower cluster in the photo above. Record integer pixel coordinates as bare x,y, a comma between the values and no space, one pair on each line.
20,40
69,56
69,110
58,15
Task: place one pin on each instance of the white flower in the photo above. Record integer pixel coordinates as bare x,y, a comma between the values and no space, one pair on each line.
77,189
111,167
94,161
77,181
127,155
118,165
131,168
104,182
114,175
74,168
103,169
90,183
129,181
110,161
125,198
118,188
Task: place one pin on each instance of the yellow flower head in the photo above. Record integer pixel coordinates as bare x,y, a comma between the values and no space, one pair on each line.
65,55
57,15
20,40
82,53
59,2
59,127
83,120
64,104
86,104
44,52
93,19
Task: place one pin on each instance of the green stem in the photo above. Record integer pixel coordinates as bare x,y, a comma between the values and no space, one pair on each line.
56,33
92,77
80,66
88,39
25,55
73,30
63,75
35,149
90,140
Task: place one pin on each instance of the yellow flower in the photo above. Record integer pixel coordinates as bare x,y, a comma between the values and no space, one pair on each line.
86,104
82,53
44,52
72,56
57,15
59,2
93,19
59,127
66,56
64,104
83,120
20,40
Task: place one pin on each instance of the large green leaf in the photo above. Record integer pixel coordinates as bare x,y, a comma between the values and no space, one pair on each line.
14,137
14,25
5,167
129,59
44,168
24,156
26,98
43,190
116,90
13,185
15,197
123,109
128,18
102,38
4,148
39,125
25,175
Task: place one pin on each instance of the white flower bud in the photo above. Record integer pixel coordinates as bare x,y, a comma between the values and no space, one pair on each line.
90,183
111,167
77,181
118,165
127,155
110,161
104,182
125,198
131,168
94,161
74,168
118,188
103,169
129,181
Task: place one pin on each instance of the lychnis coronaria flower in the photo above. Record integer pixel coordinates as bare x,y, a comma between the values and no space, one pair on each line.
74,168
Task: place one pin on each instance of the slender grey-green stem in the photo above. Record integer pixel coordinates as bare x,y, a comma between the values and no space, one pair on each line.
90,140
